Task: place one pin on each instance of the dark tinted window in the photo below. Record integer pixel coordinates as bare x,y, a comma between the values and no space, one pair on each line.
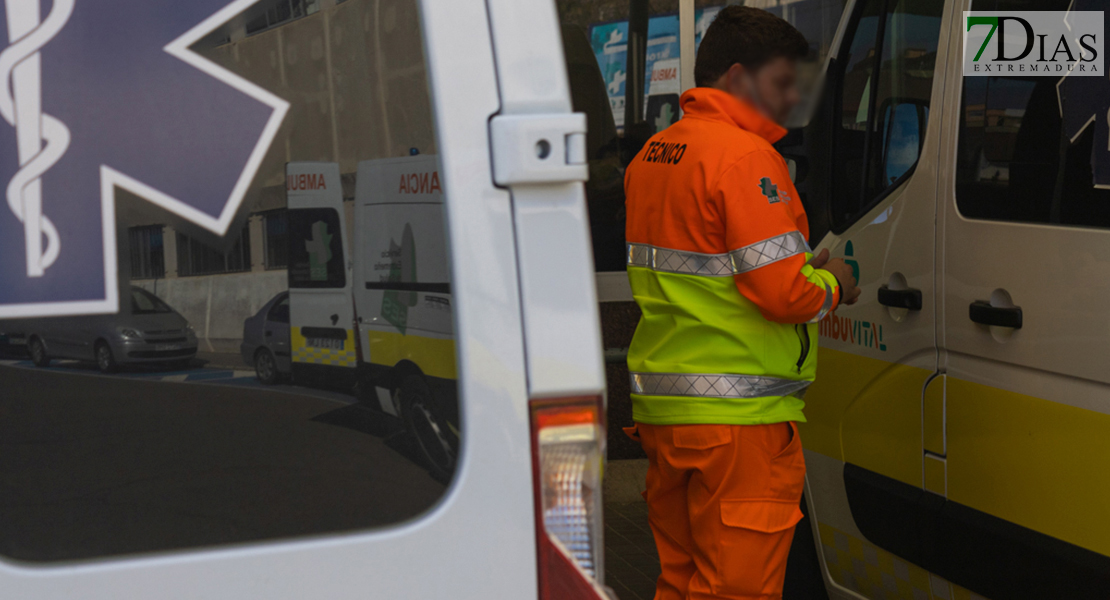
147,252
316,249
279,313
194,257
277,239
173,446
1018,160
143,302
883,101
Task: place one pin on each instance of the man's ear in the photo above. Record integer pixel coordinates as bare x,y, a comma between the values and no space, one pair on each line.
734,80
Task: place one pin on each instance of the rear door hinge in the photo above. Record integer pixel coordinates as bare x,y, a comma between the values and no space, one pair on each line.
538,149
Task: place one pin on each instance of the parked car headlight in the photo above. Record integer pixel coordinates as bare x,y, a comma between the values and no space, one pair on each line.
129,334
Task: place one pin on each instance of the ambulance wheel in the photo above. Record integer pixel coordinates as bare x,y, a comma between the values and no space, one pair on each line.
428,429
265,367
105,360
37,350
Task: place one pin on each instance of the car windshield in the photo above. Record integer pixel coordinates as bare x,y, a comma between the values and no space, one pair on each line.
143,302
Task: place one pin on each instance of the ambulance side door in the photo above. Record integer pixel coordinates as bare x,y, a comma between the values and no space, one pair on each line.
1025,332
873,160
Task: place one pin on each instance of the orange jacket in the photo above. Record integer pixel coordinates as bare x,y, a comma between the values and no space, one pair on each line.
710,199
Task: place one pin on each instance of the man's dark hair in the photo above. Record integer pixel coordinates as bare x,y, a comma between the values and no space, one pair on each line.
745,35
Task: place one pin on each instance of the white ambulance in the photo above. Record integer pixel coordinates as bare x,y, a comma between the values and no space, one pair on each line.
377,319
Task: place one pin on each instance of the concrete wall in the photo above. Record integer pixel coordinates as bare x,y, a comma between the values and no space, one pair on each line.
216,305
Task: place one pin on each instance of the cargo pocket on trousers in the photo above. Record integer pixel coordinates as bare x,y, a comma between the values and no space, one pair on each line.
700,437
755,541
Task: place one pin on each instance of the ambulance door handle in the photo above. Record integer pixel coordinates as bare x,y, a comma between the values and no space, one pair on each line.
984,313
908,298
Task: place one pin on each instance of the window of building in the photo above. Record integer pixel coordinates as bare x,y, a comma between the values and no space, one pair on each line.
281,12
148,256
883,102
275,240
195,258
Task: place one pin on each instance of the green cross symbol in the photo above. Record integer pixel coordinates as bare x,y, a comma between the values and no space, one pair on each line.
666,117
319,252
769,189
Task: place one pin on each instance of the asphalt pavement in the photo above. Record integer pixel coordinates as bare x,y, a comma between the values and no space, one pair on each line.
146,460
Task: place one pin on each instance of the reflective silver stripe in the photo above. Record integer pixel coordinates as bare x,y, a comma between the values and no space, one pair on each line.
738,261
707,385
678,261
768,251
827,306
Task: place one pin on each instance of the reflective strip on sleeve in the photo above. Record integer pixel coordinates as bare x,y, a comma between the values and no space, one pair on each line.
827,306
768,251
707,385
738,261
677,261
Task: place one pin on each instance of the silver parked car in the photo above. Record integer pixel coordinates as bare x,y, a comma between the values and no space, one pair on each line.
146,330
266,340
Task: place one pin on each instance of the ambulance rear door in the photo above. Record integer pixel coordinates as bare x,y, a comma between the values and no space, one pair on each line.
321,307
204,482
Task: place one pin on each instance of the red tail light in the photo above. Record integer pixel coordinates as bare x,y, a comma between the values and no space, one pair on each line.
568,453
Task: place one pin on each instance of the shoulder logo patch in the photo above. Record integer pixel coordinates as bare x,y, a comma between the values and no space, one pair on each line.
769,189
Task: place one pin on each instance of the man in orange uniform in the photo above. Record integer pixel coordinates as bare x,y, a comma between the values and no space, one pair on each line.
730,293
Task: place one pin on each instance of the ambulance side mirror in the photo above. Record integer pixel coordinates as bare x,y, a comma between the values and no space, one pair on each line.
903,134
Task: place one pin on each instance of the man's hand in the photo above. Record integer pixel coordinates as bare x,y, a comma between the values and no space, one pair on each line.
849,292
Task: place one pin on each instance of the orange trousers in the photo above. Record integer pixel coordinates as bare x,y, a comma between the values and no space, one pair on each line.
723,501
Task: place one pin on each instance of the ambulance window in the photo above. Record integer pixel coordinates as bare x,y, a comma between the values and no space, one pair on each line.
1017,162
883,101
316,249
269,393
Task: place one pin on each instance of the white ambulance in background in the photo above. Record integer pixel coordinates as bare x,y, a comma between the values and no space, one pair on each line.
378,319
402,299
321,312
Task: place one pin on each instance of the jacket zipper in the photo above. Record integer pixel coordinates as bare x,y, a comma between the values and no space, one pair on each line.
803,336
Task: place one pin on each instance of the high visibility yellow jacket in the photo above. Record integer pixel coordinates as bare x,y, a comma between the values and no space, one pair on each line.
717,259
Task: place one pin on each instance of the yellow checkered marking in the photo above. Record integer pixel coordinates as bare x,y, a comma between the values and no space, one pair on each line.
877,574
303,353
960,593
